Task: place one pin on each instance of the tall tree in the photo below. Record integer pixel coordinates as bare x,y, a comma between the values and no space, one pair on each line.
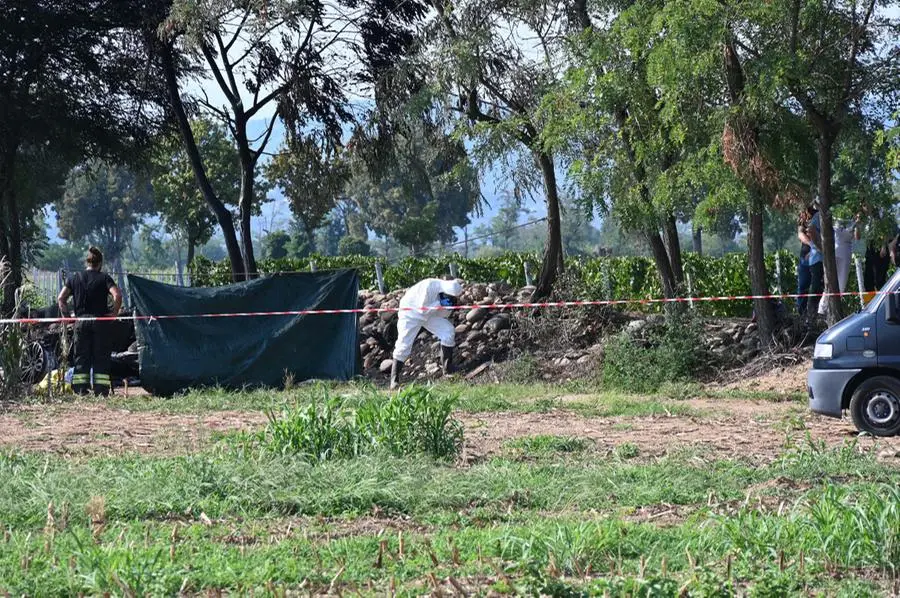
291,63
697,51
311,172
629,159
836,62
74,79
423,191
103,204
175,192
494,61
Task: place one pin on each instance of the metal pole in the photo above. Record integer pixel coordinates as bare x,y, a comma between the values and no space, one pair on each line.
312,265
379,276
528,280
778,273
454,271
690,290
859,281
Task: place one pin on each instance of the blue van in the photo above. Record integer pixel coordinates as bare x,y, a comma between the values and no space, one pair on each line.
856,366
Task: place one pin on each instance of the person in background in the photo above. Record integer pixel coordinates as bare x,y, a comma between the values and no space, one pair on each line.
89,290
803,272
880,252
810,233
420,308
846,232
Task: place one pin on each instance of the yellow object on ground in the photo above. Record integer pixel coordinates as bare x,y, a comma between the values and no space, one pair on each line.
53,378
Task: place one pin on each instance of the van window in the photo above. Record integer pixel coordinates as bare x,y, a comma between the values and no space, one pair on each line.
890,286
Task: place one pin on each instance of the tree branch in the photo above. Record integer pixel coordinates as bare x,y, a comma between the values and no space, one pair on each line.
257,106
229,68
268,134
237,32
854,50
217,73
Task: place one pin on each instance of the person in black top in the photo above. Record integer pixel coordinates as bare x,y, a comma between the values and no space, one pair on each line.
89,291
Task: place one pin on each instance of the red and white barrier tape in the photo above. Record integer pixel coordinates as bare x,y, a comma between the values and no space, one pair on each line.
379,310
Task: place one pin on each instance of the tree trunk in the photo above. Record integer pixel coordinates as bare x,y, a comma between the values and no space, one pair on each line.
826,148
663,266
759,282
190,252
246,204
673,250
697,239
11,243
552,264
8,288
223,216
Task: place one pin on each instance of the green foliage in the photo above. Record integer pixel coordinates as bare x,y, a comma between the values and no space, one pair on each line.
175,191
275,245
353,246
103,203
413,421
644,363
630,279
60,255
312,173
417,190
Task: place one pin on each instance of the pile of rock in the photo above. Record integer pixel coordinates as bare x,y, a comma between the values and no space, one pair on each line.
484,333
565,344
733,340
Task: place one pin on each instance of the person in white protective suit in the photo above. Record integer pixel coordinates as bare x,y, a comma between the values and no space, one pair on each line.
417,311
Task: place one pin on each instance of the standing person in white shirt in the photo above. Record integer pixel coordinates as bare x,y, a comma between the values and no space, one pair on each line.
846,232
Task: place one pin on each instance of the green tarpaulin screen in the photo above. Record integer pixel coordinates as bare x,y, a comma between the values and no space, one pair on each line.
245,351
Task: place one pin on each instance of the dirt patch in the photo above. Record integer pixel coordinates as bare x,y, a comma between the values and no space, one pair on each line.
98,429
783,380
721,428
756,430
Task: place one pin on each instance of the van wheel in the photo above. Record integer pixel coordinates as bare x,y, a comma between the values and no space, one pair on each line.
875,406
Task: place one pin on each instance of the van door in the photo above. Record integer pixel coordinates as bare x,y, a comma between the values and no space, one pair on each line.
888,338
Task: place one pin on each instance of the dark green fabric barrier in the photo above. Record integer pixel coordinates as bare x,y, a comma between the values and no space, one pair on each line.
242,352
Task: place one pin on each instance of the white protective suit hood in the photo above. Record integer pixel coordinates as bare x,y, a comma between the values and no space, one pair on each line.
426,293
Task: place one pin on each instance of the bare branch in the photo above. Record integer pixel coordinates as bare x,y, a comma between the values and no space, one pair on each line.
266,137
229,68
257,106
237,32
217,73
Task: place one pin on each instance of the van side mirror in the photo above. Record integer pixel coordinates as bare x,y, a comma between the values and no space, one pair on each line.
892,309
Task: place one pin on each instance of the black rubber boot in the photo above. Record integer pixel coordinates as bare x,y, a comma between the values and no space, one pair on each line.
447,360
396,370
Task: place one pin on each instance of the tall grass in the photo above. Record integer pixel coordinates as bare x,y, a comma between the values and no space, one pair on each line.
413,421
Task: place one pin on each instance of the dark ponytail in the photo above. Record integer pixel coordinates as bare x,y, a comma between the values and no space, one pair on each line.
94,258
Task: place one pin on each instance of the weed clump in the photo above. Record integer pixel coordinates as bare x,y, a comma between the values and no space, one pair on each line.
414,421
642,359
524,369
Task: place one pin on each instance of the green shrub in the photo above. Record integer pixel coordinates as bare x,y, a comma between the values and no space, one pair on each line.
668,353
414,421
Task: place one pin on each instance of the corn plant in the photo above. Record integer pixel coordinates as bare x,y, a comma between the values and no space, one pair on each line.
414,421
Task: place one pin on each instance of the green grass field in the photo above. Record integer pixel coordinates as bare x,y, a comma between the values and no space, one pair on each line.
613,511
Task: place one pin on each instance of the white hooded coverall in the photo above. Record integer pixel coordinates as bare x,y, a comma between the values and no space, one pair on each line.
425,293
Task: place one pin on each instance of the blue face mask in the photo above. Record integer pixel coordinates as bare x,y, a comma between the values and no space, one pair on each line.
447,301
